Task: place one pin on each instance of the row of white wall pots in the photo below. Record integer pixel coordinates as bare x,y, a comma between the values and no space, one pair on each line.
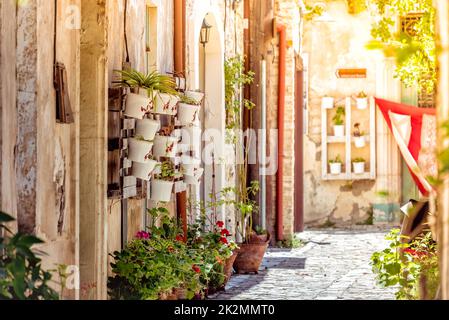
138,105
165,146
336,168
329,103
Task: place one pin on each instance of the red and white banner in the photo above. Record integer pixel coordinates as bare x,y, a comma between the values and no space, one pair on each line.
415,131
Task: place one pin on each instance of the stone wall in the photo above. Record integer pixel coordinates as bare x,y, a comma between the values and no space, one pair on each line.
339,43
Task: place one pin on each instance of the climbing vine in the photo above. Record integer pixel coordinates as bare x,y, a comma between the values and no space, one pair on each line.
414,48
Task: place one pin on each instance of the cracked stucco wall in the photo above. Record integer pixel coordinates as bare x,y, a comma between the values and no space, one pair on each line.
332,45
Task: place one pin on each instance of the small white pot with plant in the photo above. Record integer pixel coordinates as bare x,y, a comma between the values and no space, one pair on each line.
188,110
137,106
362,100
339,122
163,182
195,95
327,102
359,137
140,150
147,128
189,165
359,165
144,171
336,165
194,179
165,146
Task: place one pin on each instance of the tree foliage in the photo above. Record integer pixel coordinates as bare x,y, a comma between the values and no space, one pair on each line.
414,50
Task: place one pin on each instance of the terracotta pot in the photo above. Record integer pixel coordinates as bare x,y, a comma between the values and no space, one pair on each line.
229,266
250,257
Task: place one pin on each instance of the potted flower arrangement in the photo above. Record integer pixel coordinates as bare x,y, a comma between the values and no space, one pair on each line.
339,122
327,102
359,165
188,110
156,90
163,182
139,150
336,165
359,137
362,100
165,146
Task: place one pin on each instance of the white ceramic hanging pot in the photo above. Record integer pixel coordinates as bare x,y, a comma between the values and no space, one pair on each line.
335,168
194,179
360,142
362,103
359,167
137,106
166,104
339,131
165,146
161,190
142,91
189,165
147,128
195,95
144,170
187,113
140,150
327,103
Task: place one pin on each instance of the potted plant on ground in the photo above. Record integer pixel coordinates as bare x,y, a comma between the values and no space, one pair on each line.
139,150
362,100
359,165
163,182
339,121
159,91
165,146
336,165
359,137
188,110
327,102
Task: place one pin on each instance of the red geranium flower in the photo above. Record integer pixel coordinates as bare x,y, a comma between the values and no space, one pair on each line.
179,238
220,224
196,268
224,240
225,233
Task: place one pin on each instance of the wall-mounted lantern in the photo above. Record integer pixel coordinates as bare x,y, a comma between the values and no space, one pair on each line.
205,32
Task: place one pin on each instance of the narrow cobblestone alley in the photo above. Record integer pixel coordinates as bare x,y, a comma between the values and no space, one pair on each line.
331,265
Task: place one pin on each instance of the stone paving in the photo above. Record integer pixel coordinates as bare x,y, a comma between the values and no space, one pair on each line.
333,265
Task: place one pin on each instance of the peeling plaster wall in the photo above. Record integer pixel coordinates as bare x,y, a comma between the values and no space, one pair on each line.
333,45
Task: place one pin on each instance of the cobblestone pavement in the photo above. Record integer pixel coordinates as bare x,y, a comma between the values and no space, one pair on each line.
333,265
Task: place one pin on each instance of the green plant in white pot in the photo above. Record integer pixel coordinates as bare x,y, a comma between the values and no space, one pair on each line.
362,100
336,165
339,122
163,182
359,137
359,165
188,110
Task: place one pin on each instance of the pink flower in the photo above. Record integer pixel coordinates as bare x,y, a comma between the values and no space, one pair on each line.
143,235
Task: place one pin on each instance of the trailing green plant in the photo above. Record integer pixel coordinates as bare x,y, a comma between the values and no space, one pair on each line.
154,82
358,160
167,171
339,117
408,266
415,49
21,274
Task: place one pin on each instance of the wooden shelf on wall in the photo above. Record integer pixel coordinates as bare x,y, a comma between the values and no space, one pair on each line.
347,141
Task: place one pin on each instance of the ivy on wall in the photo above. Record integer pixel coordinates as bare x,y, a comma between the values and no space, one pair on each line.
413,45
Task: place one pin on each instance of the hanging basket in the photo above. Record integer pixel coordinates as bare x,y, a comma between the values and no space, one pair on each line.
166,104
144,171
147,128
161,190
140,150
137,106
187,113
165,146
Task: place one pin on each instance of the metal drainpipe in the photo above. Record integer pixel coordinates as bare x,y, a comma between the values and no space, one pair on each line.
263,127
281,29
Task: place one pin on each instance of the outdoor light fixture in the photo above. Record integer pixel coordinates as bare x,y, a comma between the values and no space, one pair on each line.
205,32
